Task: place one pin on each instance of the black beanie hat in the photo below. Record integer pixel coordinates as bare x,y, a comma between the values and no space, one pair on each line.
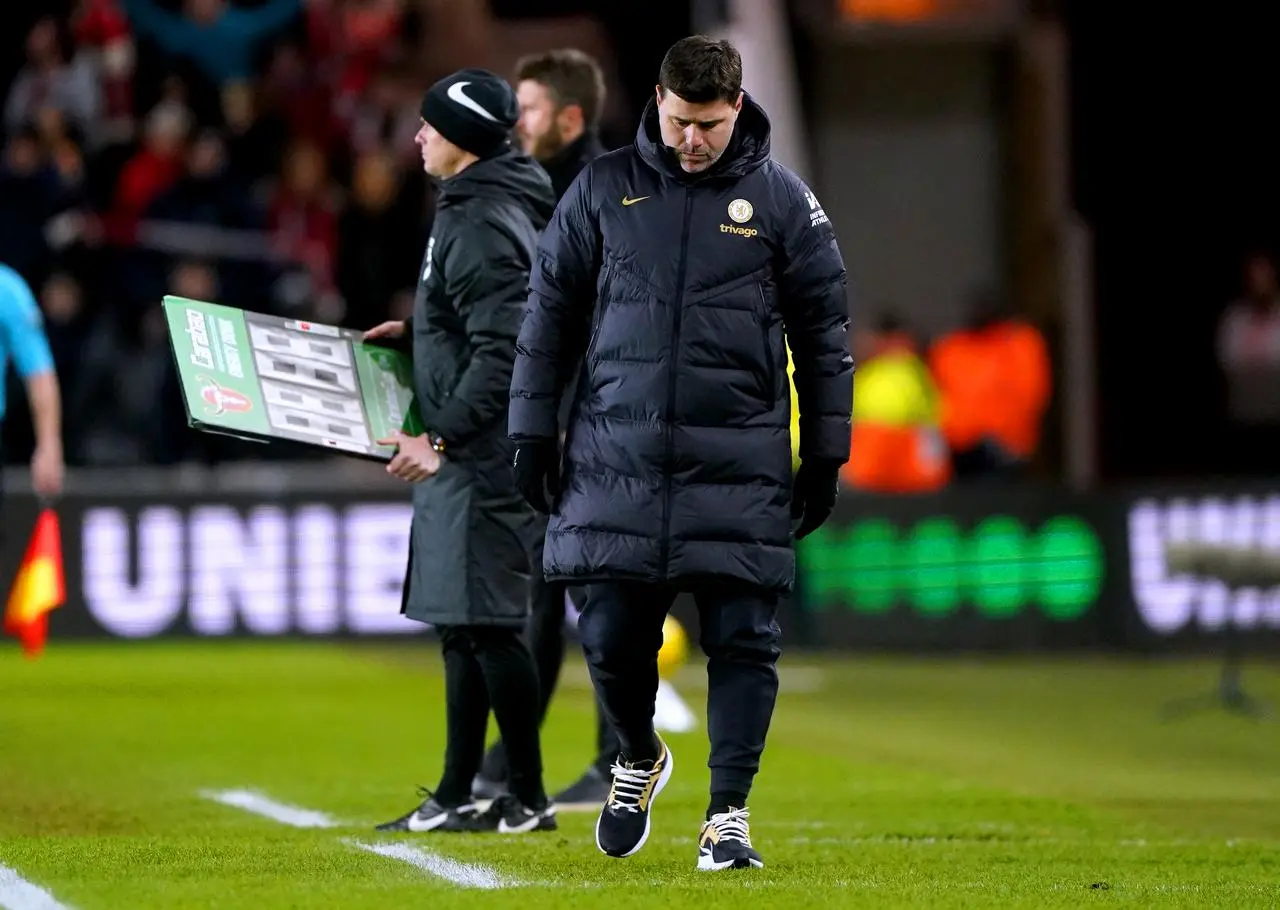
474,109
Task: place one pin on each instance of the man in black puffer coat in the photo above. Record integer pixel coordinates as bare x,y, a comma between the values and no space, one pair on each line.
689,256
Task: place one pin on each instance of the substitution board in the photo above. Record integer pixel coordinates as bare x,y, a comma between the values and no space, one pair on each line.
262,377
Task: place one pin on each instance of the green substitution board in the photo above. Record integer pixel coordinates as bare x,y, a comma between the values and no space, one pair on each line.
261,377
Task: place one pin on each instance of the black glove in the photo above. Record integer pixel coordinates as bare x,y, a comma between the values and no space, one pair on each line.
813,497
537,471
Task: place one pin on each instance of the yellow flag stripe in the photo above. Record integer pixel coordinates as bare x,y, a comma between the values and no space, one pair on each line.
35,591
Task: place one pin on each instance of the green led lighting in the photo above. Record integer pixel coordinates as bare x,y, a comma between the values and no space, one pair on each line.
1000,567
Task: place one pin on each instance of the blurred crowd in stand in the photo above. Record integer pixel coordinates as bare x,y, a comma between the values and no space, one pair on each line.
260,153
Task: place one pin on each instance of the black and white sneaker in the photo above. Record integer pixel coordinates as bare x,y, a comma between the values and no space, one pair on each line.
587,794
725,843
507,815
431,816
623,826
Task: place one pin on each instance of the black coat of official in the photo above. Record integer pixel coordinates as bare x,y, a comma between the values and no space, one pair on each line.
677,462
471,529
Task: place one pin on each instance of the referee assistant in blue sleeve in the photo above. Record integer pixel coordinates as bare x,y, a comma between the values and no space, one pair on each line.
23,341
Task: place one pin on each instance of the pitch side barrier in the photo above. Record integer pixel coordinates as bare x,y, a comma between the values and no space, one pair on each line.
318,551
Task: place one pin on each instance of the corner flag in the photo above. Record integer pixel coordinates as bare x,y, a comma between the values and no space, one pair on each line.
39,587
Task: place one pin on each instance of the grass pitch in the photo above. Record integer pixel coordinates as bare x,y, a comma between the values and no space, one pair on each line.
888,782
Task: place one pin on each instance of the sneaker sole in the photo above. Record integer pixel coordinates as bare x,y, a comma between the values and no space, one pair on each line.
544,822
437,823
707,864
523,828
648,818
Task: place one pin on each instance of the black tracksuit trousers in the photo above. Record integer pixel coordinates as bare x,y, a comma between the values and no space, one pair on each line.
489,667
621,629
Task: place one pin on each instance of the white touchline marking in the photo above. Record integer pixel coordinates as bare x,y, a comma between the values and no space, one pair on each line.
16,893
265,806
468,875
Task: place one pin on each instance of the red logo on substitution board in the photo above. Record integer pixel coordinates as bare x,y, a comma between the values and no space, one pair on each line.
222,400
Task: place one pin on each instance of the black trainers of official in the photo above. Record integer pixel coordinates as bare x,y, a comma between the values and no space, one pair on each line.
623,826
725,843
507,815
431,816
587,794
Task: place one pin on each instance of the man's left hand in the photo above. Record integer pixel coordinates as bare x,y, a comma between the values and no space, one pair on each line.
47,470
415,461
813,499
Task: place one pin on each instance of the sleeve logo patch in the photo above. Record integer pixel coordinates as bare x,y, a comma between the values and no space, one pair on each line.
816,215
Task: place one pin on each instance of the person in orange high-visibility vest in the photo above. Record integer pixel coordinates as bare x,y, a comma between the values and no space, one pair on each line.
896,445
995,379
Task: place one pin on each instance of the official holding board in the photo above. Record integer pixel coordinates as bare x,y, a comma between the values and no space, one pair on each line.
472,531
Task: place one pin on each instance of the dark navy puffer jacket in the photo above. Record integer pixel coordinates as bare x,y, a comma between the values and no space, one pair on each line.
677,460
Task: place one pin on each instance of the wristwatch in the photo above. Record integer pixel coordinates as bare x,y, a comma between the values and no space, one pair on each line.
437,442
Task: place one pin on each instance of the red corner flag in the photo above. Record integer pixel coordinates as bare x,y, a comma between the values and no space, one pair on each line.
39,587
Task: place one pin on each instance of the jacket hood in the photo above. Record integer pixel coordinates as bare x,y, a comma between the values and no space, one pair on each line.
509,176
748,148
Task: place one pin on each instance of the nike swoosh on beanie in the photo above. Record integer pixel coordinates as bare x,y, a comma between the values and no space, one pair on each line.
457,92
474,109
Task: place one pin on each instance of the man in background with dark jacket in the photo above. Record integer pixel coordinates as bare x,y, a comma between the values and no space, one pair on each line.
561,94
697,259
561,97
472,533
